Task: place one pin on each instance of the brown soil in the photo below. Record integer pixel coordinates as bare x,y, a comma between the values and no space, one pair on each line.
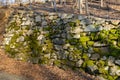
39,72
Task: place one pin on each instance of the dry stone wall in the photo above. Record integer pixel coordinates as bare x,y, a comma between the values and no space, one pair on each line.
65,40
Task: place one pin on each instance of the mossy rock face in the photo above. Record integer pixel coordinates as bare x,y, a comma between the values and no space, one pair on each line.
56,43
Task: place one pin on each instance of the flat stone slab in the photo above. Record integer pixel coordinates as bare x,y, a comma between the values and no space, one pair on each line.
8,76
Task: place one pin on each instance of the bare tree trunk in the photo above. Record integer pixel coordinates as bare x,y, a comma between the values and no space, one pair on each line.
62,1
7,2
1,3
55,8
86,7
53,4
102,3
80,6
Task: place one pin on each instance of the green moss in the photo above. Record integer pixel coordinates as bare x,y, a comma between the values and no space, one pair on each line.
82,34
96,50
84,39
118,42
101,63
57,63
85,56
112,31
73,41
114,51
44,61
90,43
77,22
103,71
94,36
14,26
84,45
88,63
72,24
111,77
113,36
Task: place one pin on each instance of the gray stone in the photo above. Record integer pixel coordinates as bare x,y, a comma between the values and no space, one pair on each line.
111,59
92,69
98,44
58,47
44,23
29,32
66,46
65,55
79,63
106,68
7,40
95,56
77,30
51,17
70,15
90,50
40,37
80,17
37,19
20,39
86,22
77,36
115,22
63,35
117,62
118,72
113,70
58,41
90,28
53,56
99,28
52,14
89,55
47,56
24,19
100,21
110,63
108,27
62,16
100,78
104,58
104,49
26,23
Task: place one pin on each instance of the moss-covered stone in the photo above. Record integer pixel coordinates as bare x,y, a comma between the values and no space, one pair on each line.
84,39
90,43
88,63
85,56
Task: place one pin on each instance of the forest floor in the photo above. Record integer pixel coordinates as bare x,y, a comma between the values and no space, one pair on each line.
38,72
109,11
